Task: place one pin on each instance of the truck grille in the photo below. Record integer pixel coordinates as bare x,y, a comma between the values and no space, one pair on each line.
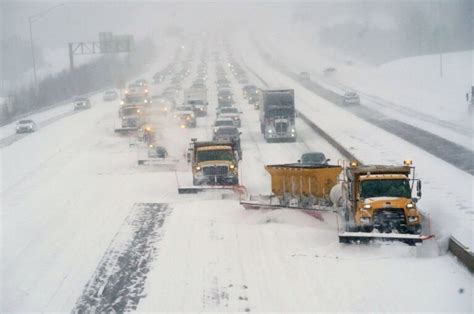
131,122
390,219
281,127
215,171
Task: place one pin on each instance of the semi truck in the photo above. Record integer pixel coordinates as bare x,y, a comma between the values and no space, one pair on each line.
277,115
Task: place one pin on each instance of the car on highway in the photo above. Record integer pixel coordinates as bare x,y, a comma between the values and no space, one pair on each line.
313,158
228,134
304,77
136,89
248,90
82,103
110,95
224,95
224,104
243,80
198,85
142,82
160,105
185,116
231,113
26,126
351,98
329,70
223,122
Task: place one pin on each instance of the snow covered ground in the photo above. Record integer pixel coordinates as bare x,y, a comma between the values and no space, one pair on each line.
68,193
65,190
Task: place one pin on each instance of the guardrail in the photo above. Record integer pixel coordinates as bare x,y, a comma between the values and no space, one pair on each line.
463,253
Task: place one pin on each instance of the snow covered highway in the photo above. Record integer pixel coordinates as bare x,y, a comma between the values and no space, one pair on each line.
85,228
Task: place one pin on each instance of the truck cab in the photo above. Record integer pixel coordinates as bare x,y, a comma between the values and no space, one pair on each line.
380,197
132,116
214,163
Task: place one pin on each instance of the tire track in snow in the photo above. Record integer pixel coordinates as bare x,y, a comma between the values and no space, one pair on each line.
118,282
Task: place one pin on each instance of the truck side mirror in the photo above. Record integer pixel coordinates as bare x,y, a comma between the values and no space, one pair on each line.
418,188
299,160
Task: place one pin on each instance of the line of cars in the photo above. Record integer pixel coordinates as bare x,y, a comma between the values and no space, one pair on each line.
215,163
79,103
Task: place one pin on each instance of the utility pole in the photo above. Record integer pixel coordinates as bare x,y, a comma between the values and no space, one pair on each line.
439,41
33,52
31,20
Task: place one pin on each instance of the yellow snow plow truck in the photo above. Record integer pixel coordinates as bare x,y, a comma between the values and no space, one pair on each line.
214,166
377,203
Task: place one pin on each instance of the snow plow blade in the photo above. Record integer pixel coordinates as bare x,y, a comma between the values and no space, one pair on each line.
364,237
125,131
204,188
316,213
163,162
316,208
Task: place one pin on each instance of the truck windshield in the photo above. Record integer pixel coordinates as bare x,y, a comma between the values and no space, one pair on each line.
134,98
224,122
227,131
229,110
210,155
390,188
129,111
283,112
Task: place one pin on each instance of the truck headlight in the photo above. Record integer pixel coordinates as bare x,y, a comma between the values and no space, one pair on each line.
232,166
365,220
293,130
270,131
198,168
367,206
410,206
412,219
